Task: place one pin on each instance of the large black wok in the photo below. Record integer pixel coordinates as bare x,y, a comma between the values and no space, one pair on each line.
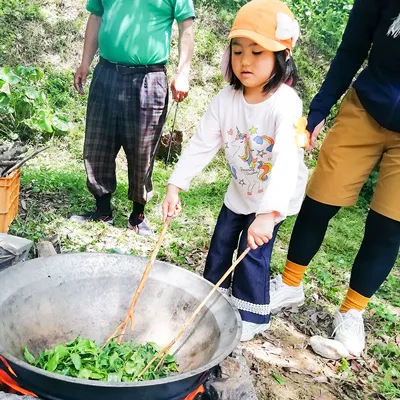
52,300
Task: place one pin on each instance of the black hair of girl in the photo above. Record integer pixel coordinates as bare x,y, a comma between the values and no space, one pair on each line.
283,72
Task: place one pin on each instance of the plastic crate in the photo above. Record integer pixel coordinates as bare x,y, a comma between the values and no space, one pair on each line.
9,195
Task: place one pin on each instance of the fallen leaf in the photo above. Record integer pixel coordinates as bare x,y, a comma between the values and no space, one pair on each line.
398,340
354,366
23,204
278,379
386,338
314,317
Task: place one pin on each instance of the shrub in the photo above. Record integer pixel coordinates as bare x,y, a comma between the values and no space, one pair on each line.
25,113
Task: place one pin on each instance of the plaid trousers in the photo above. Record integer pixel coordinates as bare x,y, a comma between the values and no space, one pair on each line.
129,111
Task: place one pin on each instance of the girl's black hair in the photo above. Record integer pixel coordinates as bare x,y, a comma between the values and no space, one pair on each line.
283,72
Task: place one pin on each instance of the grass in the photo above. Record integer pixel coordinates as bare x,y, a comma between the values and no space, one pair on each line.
15,13
53,186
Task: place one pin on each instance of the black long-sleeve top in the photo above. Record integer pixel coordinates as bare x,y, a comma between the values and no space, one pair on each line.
373,31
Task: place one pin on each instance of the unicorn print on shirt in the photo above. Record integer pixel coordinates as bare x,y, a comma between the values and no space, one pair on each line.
264,169
248,152
261,139
249,157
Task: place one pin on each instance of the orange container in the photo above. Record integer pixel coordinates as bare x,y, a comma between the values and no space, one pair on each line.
9,194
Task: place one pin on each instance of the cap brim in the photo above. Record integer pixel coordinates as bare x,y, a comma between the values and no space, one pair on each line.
266,43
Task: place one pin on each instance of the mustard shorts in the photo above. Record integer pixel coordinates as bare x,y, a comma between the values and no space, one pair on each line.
349,153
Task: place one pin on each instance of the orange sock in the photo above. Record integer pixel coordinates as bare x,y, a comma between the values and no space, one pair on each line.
354,300
293,273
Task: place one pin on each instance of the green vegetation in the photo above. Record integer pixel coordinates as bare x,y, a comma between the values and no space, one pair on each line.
25,113
84,359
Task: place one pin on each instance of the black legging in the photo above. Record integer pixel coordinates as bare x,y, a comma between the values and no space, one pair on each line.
377,254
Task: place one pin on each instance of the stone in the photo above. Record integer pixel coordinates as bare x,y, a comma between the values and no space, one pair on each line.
234,381
8,396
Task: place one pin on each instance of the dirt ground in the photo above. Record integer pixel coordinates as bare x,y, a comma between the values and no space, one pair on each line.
284,366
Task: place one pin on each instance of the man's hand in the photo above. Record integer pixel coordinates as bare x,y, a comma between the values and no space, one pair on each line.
261,230
180,84
180,87
315,134
171,205
80,78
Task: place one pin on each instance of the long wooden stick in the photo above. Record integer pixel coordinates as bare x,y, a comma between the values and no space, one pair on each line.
130,316
166,349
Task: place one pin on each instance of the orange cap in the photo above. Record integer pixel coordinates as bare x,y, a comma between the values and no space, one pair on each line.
268,23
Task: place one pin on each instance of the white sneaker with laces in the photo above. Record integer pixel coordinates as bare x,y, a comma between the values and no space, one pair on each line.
250,329
348,329
284,296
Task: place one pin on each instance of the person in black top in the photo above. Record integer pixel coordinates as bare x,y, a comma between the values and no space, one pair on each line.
366,131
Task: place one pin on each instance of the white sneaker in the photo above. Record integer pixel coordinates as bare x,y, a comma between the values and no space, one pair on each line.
284,296
250,329
348,328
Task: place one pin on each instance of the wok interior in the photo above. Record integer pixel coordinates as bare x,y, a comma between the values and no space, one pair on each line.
89,296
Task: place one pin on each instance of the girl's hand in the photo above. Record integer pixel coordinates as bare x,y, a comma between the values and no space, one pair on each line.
261,230
171,205
315,134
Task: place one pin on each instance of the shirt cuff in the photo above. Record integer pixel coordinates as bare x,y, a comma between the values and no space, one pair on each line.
182,17
314,118
180,183
94,10
270,207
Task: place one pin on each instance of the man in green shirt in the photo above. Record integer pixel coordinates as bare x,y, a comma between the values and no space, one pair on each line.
128,96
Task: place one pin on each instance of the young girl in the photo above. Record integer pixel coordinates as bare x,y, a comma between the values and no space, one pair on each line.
253,121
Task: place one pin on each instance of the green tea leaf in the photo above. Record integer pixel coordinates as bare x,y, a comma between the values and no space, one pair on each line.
28,356
62,351
76,360
84,359
114,378
96,376
53,362
84,374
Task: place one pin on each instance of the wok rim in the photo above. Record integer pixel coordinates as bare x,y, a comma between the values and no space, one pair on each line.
171,379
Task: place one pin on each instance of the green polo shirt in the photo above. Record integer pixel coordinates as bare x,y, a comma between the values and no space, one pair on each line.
138,31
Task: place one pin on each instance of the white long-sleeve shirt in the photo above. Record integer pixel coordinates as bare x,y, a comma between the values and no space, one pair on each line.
267,167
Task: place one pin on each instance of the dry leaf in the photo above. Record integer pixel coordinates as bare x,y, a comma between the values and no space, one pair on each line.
386,338
354,366
23,204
